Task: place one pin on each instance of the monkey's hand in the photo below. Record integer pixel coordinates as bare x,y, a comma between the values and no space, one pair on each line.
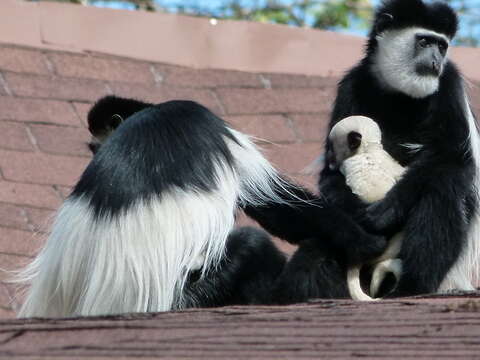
353,245
365,248
383,217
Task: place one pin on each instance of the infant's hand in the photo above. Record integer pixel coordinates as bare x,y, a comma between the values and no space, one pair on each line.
382,217
365,248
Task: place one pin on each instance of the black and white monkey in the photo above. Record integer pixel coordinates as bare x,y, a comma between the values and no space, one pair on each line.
407,84
149,225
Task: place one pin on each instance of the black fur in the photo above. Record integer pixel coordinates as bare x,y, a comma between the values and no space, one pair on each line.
429,202
245,276
102,122
312,218
312,272
99,115
175,143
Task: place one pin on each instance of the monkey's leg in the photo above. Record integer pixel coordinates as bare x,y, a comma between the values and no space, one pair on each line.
437,225
312,272
245,275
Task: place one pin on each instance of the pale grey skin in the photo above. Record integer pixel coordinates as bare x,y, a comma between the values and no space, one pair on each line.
370,172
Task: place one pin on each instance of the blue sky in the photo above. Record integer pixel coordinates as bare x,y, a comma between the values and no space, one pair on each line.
465,19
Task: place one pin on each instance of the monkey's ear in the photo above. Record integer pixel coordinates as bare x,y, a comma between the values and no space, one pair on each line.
115,121
383,22
100,133
354,140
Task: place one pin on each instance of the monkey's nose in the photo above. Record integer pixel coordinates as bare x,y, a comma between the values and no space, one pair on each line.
436,67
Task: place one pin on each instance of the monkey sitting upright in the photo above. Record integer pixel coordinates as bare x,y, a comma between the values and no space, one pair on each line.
408,84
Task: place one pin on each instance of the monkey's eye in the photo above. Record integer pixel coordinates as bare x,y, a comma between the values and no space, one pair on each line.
442,47
423,42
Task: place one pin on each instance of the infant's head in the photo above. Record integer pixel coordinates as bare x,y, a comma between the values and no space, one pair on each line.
352,136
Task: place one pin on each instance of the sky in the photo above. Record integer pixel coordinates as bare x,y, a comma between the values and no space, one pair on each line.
465,19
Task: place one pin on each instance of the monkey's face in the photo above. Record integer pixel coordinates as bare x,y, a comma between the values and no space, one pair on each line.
410,60
343,147
430,53
351,136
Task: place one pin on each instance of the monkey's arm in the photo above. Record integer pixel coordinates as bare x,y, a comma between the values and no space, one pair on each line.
435,230
335,190
302,215
430,179
443,169
432,245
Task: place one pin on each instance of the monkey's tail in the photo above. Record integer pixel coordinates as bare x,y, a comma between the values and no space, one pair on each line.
385,263
354,287
381,270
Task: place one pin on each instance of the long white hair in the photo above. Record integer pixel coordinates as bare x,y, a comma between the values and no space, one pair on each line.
139,259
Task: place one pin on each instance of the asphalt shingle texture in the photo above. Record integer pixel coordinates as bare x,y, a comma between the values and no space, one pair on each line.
406,329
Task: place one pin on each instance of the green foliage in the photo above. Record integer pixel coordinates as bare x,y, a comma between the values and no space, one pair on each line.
333,14
323,14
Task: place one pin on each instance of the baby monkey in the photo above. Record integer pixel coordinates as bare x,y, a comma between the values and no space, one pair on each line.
370,172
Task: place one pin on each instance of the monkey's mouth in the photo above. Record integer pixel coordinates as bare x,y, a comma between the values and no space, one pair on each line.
433,69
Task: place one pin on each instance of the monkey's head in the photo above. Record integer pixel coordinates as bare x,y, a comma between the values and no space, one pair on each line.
351,136
107,114
409,43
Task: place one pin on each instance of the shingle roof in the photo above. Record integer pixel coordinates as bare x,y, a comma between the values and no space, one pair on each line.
45,94
403,329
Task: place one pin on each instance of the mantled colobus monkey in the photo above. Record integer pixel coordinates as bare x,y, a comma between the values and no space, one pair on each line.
148,227
370,172
407,84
